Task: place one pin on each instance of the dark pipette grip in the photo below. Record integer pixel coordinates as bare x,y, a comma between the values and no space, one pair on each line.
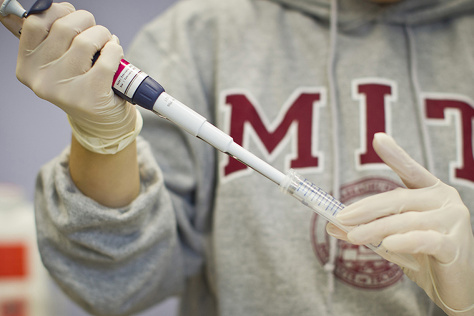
40,6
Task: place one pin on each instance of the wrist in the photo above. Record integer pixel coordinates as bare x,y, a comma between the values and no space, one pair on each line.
110,180
107,145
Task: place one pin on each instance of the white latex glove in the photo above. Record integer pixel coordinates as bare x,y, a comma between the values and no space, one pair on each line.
427,219
55,61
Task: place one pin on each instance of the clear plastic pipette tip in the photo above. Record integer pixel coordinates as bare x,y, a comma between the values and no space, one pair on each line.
328,207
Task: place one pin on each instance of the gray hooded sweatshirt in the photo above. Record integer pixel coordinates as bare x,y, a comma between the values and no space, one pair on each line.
303,84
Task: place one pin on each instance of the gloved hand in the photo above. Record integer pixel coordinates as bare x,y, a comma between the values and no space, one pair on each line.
427,219
55,61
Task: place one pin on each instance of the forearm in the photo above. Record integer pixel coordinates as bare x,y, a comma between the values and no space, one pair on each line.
98,254
111,180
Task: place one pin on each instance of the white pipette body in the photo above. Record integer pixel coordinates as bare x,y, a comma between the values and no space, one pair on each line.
12,7
137,87
197,125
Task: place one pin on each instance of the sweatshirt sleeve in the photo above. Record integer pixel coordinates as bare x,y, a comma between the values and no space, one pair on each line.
110,261
119,261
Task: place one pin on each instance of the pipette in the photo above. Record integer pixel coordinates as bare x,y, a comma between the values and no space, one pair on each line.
138,88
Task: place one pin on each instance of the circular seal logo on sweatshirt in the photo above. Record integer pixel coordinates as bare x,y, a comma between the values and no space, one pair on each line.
356,265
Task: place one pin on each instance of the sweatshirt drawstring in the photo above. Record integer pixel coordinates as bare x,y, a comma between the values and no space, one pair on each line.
413,64
330,265
428,156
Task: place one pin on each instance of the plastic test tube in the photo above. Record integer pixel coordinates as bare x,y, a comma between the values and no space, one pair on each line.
327,206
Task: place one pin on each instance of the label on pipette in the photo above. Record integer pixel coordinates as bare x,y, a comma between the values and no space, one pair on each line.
127,79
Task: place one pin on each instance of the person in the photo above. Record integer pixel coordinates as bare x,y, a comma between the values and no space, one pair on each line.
124,220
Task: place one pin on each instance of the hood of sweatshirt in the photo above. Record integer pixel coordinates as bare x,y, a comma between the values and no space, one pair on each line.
353,13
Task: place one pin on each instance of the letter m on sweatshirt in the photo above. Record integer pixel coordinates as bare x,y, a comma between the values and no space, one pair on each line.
297,119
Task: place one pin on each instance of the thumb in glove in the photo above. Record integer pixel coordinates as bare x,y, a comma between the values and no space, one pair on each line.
426,219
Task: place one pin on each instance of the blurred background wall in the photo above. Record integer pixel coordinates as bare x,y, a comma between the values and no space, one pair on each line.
33,131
